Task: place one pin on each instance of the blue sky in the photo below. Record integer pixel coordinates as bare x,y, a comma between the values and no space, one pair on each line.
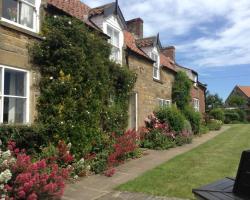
210,36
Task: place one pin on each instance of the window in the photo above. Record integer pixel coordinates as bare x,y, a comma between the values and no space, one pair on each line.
22,12
164,102
195,81
196,104
156,67
114,40
13,96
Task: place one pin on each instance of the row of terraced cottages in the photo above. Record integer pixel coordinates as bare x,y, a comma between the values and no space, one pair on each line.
155,65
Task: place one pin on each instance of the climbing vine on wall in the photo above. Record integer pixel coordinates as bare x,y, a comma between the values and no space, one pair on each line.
84,95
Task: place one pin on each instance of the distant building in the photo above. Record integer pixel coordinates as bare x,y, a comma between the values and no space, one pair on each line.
242,91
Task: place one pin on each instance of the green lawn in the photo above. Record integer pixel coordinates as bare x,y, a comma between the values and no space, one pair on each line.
209,162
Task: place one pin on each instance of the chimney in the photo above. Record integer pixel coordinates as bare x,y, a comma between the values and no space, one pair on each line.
169,52
135,26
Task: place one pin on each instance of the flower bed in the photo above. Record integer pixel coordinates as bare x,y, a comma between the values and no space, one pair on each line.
23,178
158,134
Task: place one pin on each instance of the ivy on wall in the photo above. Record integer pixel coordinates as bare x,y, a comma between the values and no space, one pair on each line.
84,95
181,90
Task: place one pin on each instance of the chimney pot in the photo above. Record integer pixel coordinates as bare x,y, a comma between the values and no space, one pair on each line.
135,26
169,52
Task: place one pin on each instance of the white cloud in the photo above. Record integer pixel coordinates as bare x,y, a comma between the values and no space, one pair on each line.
220,46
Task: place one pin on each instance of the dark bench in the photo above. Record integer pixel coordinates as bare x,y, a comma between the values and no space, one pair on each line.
229,188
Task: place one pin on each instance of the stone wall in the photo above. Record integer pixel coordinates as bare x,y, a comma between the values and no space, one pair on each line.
14,53
149,90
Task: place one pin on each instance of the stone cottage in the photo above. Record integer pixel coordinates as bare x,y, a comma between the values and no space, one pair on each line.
198,89
20,22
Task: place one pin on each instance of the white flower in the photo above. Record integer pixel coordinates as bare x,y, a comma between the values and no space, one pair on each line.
5,163
51,78
88,167
44,38
62,122
70,22
75,177
6,155
55,16
5,176
88,112
69,145
82,160
12,161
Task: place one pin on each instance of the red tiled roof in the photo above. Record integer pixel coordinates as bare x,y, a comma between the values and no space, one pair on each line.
144,42
130,42
99,10
167,62
75,8
245,90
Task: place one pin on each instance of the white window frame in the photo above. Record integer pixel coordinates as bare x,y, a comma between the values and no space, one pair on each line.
164,102
111,41
156,66
36,17
196,104
2,95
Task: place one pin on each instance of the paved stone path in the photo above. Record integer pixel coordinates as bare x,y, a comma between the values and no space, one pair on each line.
99,187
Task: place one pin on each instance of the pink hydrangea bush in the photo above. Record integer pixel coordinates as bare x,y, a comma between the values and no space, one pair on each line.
34,180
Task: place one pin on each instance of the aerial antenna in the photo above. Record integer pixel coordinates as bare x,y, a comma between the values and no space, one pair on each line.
116,6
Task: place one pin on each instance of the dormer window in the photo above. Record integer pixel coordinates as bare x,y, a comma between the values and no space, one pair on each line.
114,41
156,66
23,13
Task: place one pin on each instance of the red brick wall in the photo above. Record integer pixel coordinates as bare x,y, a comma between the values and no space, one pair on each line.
199,93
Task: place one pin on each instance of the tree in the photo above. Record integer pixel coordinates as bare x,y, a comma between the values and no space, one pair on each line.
213,101
181,90
236,101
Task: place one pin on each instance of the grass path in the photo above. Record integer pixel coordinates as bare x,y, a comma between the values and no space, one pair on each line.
211,161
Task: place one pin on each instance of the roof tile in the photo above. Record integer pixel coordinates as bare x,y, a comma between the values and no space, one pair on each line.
130,42
245,90
75,8
167,62
144,42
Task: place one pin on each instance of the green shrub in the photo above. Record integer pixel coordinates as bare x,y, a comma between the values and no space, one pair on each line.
242,115
155,139
179,140
172,116
204,129
231,115
217,113
187,126
214,124
31,138
194,118
100,163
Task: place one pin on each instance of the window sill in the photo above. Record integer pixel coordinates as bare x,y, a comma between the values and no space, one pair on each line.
19,29
157,80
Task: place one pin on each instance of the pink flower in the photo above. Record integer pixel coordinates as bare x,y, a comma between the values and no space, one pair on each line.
21,194
32,196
